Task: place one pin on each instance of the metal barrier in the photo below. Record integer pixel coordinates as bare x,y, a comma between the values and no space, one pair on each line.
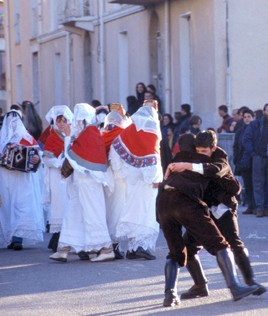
226,142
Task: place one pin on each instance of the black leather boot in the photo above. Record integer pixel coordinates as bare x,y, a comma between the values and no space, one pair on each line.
171,279
200,288
226,263
243,263
53,243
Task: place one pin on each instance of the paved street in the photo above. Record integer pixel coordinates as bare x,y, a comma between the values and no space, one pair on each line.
33,285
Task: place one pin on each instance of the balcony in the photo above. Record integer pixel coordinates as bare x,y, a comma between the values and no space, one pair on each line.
137,2
75,14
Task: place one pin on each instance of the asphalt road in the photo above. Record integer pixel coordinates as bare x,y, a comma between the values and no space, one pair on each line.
33,285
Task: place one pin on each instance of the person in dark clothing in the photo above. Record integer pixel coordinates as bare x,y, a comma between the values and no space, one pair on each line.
151,88
220,197
255,142
132,104
140,91
180,203
184,122
244,171
226,119
31,119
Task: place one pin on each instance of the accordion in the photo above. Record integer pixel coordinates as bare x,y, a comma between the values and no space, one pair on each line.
19,158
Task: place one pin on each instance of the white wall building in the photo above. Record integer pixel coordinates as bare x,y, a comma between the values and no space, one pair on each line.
202,52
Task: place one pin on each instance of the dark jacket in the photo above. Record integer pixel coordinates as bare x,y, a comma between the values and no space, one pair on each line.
191,184
251,141
225,188
238,151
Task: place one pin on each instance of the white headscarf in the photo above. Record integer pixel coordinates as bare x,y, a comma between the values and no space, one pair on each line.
58,110
115,118
13,130
146,119
83,111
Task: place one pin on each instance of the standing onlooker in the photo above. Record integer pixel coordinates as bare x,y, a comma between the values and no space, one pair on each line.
167,122
255,142
195,123
21,214
226,119
140,91
132,104
183,125
151,88
31,119
240,169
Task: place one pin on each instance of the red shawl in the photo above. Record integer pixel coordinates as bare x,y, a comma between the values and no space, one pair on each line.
43,138
88,150
139,149
54,144
109,136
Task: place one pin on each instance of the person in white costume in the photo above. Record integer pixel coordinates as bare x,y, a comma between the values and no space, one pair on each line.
135,158
21,214
84,228
55,190
115,122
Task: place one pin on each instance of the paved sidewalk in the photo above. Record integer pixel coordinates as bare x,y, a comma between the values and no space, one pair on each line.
33,285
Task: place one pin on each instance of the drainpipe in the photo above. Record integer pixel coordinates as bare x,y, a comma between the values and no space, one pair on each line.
228,67
8,56
102,56
68,64
167,58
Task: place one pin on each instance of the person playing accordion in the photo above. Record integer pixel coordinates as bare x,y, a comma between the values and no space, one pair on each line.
21,214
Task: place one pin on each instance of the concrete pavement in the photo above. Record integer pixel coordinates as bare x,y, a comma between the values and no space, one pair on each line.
33,285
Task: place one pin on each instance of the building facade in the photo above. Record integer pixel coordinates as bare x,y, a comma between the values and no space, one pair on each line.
202,52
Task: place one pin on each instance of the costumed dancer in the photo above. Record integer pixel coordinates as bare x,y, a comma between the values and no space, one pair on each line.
135,158
54,188
84,228
115,122
21,213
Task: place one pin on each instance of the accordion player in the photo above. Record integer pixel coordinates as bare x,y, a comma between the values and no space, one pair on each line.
20,158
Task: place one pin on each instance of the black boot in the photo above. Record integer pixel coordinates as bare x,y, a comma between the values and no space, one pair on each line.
117,252
226,263
243,263
53,243
200,288
171,279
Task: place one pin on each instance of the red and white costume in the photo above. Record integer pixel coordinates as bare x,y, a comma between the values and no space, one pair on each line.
84,225
55,187
21,213
135,158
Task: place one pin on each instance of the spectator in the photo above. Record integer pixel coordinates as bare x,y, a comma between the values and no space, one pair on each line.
195,123
258,114
151,88
167,122
31,119
226,119
132,104
140,91
255,142
184,125
95,103
240,169
238,119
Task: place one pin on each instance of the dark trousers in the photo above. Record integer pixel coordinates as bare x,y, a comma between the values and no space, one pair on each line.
260,182
247,179
228,225
176,210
